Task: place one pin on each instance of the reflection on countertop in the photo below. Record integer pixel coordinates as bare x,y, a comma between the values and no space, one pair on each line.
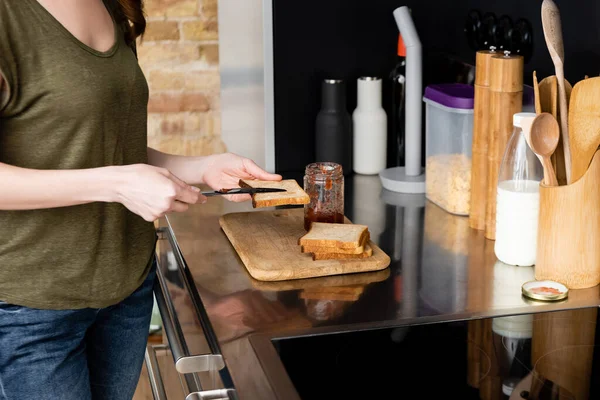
441,270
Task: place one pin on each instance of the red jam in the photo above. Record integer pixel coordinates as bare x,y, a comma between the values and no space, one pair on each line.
545,290
324,184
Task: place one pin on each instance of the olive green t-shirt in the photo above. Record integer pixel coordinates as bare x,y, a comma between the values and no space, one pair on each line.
70,107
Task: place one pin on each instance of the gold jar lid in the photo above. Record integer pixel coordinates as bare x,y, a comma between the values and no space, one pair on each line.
545,290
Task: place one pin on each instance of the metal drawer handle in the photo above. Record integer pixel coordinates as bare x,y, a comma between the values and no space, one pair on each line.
156,382
219,394
184,362
158,388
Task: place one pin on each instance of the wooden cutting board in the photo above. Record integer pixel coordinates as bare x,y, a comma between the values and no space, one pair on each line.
364,279
267,244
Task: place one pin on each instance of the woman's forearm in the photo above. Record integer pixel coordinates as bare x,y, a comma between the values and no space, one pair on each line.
189,169
29,189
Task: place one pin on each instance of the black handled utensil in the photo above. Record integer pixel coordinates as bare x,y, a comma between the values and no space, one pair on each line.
223,192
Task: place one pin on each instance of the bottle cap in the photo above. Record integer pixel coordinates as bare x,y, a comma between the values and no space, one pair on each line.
518,118
401,47
545,290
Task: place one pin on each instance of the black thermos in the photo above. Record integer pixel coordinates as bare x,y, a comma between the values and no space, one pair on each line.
333,128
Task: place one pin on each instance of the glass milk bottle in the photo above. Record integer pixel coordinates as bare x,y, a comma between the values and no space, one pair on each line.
518,198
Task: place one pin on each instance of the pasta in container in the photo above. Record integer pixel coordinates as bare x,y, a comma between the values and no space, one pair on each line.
449,135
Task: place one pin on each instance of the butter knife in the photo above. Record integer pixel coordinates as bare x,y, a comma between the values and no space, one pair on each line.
223,192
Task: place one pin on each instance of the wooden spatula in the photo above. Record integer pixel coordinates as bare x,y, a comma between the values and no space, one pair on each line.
536,92
548,90
584,125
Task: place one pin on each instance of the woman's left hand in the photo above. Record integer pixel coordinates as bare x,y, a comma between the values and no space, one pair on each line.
223,171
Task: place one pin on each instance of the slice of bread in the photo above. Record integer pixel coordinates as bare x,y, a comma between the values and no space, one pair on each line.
321,249
294,195
368,252
340,236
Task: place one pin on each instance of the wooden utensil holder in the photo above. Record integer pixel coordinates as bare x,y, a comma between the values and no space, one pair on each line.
568,249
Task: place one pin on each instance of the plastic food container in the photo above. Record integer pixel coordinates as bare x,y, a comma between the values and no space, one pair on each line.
448,140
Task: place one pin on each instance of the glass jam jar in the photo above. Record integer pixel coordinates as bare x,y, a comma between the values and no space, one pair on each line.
324,184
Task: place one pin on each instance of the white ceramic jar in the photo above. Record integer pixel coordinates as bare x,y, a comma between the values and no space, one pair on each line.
369,121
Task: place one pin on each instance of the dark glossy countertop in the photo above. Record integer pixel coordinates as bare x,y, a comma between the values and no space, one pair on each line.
441,270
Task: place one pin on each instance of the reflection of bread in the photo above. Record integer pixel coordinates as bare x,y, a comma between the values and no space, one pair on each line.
355,290
294,194
334,236
330,296
368,252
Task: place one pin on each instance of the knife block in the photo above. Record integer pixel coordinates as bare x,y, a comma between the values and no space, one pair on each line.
569,231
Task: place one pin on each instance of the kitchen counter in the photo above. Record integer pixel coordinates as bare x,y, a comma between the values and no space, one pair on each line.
441,270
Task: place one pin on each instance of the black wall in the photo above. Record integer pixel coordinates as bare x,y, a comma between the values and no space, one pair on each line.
345,39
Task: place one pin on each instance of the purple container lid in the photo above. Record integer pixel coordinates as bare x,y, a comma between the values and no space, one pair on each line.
453,95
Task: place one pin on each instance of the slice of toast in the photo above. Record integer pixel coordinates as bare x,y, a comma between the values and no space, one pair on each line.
320,249
294,195
368,252
341,236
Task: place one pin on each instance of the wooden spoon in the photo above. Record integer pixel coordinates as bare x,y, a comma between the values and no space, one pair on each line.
544,137
554,41
526,124
584,120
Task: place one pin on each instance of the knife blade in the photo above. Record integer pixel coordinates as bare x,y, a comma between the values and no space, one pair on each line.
223,192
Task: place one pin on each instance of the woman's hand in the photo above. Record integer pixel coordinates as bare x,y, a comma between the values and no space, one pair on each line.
152,192
223,171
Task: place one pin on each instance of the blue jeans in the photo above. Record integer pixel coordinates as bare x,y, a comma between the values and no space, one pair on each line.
75,354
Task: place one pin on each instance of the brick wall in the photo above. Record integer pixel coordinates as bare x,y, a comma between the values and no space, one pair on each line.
180,58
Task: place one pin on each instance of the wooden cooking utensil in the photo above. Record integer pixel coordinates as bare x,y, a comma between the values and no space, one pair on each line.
537,96
548,91
584,120
544,137
548,95
548,88
554,41
526,124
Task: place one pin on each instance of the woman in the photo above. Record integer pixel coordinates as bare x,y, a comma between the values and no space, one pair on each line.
79,193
